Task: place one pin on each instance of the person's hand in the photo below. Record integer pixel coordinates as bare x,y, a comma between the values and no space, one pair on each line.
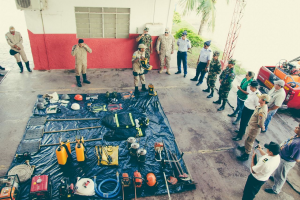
197,62
157,52
142,58
238,87
18,48
172,52
83,45
220,80
253,155
151,51
206,69
258,147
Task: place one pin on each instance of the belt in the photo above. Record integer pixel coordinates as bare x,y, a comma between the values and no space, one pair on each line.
182,51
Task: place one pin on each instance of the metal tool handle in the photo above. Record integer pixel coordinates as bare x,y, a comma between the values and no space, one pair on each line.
75,129
78,119
167,186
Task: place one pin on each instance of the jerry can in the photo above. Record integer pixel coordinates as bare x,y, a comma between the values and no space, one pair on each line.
79,148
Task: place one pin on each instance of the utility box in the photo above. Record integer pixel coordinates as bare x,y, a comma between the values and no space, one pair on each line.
33,5
9,186
40,188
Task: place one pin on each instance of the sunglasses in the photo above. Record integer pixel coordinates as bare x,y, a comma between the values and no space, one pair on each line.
167,32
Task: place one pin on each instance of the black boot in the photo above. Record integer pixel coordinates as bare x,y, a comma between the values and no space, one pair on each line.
144,88
223,105
211,93
243,157
219,101
27,66
231,115
197,74
136,90
78,81
85,79
2,68
21,66
207,90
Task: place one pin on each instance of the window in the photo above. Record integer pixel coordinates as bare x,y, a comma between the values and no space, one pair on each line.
102,22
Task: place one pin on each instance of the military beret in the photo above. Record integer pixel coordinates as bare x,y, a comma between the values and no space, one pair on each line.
231,61
146,29
80,41
216,53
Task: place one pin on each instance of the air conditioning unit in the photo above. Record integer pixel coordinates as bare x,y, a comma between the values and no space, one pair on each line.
31,4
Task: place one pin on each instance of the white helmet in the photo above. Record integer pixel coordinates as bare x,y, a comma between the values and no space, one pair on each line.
75,106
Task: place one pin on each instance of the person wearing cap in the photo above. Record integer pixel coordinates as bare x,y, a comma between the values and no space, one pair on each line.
255,124
262,170
203,63
249,106
277,95
242,95
290,155
226,78
214,69
80,52
14,40
138,70
183,46
165,46
146,39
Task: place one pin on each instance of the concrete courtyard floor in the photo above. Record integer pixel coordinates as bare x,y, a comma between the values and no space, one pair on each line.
203,133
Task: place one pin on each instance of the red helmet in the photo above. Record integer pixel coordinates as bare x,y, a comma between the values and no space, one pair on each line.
78,97
151,179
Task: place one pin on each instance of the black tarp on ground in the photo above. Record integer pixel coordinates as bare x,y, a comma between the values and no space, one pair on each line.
159,130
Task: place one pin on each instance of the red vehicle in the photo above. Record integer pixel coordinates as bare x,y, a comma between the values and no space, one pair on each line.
287,71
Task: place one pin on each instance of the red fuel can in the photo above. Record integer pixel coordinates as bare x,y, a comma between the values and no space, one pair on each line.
40,188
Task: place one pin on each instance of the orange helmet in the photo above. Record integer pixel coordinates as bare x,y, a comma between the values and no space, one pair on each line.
78,97
151,179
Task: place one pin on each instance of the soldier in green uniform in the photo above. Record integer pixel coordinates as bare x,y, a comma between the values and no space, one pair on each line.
214,70
226,78
146,39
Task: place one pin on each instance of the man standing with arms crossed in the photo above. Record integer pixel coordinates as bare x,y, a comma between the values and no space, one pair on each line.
203,63
165,46
15,40
80,52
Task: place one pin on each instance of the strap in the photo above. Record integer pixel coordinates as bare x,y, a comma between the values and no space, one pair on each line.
117,121
68,152
132,122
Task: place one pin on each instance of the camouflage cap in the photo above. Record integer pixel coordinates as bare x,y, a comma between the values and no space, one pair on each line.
146,29
142,46
264,97
231,61
216,53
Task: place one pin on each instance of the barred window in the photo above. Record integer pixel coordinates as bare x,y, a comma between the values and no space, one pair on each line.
92,22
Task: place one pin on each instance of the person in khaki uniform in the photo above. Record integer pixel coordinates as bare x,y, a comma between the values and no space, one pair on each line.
80,52
165,46
256,123
138,70
15,40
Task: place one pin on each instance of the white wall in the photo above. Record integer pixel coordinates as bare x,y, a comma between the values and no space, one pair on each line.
59,17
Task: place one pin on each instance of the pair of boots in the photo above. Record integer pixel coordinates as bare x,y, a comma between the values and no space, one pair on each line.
136,89
244,156
211,93
21,66
219,102
161,70
84,80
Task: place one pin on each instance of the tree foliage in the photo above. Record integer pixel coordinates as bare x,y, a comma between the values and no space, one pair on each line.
176,18
196,40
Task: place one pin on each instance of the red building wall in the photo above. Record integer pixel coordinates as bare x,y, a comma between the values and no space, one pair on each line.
53,51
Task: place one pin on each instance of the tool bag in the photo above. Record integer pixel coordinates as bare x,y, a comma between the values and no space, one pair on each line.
122,134
115,121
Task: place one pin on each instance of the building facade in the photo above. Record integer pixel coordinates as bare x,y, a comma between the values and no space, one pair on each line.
109,28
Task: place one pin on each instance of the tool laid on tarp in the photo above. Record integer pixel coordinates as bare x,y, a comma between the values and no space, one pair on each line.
66,189
151,180
41,188
183,176
107,155
24,171
91,97
63,152
114,107
52,109
137,181
125,183
127,95
85,187
98,107
110,194
41,120
9,187
141,153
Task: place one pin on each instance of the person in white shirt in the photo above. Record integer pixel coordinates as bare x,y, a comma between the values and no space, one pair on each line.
203,63
262,170
250,103
183,46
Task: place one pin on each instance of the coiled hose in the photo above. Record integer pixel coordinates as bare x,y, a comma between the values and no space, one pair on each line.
111,194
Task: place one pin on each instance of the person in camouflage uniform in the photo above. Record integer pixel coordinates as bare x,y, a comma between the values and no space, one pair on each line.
165,46
146,39
214,70
226,78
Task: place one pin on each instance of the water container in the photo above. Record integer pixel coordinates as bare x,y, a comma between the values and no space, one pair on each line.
62,155
79,148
